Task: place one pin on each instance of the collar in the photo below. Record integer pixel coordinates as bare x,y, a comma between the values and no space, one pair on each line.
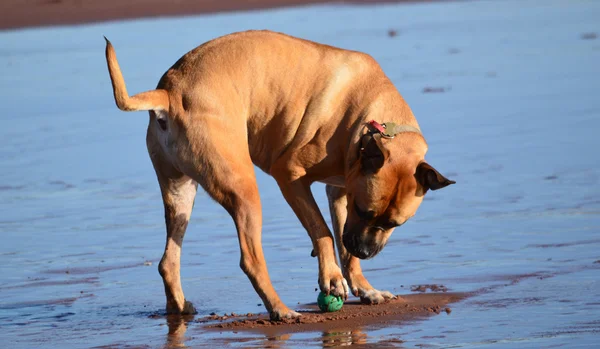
390,129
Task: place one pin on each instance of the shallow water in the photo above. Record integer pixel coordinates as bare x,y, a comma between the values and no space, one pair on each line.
82,221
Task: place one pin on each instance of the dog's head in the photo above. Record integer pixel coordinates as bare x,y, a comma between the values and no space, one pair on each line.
385,186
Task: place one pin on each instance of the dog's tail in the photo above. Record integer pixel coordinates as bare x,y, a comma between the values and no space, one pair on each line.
149,100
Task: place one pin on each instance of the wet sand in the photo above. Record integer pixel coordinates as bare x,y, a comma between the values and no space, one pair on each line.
353,314
33,13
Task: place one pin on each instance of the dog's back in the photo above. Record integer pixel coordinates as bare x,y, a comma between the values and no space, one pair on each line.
267,81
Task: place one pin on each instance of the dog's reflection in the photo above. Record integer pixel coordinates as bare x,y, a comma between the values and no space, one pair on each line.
337,337
343,337
278,341
329,339
177,327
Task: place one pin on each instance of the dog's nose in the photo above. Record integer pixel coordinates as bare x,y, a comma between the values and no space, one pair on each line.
358,248
367,252
364,253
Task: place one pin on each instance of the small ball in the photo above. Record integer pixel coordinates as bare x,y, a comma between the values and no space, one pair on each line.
329,303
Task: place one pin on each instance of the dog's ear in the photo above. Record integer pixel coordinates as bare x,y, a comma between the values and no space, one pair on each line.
430,178
371,156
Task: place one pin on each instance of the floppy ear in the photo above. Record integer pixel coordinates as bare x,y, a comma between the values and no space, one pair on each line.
430,178
371,156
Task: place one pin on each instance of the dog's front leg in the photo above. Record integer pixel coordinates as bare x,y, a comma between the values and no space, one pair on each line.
300,198
350,265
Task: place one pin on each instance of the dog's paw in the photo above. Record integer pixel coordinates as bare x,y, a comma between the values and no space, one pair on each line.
188,309
331,281
367,293
374,296
284,313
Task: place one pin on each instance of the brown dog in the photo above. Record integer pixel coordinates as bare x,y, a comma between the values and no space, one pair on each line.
300,111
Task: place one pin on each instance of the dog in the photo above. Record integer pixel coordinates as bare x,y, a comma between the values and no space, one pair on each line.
302,112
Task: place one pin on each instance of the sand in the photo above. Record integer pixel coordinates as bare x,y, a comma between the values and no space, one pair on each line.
353,314
32,13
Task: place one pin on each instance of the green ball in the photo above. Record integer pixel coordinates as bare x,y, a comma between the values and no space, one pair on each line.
329,303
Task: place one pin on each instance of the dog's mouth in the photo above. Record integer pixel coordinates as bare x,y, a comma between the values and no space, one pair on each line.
361,247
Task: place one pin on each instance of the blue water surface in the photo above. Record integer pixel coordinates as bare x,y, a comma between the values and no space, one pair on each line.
516,125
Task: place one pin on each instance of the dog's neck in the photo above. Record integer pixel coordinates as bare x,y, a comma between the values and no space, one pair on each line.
390,129
385,129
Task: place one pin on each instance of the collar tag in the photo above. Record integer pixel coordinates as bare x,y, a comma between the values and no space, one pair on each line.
390,129
380,128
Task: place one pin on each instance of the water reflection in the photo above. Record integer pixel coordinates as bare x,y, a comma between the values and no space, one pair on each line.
343,337
329,339
178,325
276,342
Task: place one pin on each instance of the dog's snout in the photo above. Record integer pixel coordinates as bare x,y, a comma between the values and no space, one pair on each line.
364,253
363,248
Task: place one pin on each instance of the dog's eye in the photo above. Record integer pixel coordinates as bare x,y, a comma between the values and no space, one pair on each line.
364,215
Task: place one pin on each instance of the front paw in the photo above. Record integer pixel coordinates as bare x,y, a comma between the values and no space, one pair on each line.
374,296
368,295
331,281
283,313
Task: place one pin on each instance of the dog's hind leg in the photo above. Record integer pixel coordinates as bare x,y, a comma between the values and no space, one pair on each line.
358,284
178,193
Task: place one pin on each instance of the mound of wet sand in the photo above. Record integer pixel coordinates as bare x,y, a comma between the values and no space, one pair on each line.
31,13
353,314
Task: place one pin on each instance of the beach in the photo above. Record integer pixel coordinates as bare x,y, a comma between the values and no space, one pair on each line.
32,13
505,93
